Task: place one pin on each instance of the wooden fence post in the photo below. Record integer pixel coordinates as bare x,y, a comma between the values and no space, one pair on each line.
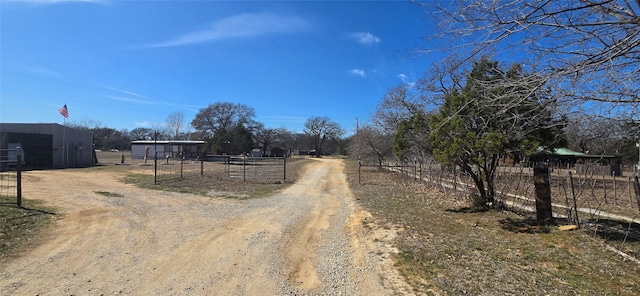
544,212
575,204
636,186
615,189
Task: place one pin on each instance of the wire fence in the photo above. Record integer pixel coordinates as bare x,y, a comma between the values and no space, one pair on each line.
249,169
586,195
11,175
176,166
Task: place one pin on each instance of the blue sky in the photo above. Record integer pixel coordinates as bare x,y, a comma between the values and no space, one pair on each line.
128,64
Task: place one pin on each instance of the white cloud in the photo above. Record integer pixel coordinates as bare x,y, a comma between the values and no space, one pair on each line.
404,79
365,38
141,124
241,25
358,72
130,100
125,92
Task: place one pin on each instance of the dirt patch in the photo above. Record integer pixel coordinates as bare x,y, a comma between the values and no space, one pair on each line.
142,241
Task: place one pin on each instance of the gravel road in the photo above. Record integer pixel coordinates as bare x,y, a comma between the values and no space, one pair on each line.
307,240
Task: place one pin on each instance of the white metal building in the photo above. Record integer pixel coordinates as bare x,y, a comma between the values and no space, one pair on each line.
173,149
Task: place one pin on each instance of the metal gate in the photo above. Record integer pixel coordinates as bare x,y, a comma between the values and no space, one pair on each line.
11,175
258,169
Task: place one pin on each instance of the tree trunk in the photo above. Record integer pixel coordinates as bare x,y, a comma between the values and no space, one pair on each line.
476,179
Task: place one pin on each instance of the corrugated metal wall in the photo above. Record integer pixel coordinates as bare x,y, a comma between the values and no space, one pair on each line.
69,147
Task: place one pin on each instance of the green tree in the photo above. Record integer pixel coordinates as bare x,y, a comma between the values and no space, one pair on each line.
223,116
487,118
234,141
411,138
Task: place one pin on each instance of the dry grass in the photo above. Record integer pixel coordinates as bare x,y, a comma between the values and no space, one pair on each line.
20,226
215,181
449,247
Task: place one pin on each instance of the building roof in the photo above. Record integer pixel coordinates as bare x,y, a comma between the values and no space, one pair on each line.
564,152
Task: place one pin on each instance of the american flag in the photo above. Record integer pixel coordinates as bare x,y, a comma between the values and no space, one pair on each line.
64,111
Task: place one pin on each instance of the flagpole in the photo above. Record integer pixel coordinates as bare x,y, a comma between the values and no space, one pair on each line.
64,130
65,113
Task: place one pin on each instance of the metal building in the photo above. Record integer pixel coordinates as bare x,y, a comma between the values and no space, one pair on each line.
48,145
173,149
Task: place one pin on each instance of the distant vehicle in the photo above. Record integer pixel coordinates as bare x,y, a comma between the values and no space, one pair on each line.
114,150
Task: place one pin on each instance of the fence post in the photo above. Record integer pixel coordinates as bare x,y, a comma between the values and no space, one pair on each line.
284,170
201,166
629,190
636,186
544,212
575,203
155,168
19,179
604,188
244,169
181,163
615,189
359,171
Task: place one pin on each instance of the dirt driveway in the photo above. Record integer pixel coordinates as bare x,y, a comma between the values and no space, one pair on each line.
307,239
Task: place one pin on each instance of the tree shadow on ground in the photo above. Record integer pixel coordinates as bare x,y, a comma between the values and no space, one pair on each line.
612,230
469,210
524,225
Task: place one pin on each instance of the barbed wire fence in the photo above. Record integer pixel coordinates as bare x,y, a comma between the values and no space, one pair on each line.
584,194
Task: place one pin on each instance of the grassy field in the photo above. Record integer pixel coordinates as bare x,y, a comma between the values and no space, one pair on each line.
448,247
20,226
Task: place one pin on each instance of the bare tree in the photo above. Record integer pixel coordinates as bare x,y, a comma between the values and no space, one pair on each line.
398,104
604,136
284,138
85,124
371,144
175,124
265,137
584,52
321,129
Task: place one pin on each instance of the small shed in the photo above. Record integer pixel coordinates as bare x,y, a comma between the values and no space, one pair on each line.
173,149
278,152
